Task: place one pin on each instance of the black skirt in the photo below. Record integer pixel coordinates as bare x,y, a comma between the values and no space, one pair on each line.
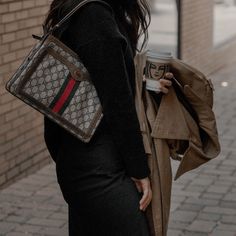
102,199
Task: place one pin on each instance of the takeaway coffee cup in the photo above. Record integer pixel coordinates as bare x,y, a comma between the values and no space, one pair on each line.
157,64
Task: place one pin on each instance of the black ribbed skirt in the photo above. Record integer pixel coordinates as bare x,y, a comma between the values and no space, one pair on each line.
102,199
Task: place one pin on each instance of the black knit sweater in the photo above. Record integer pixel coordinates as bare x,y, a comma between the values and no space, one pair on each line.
105,50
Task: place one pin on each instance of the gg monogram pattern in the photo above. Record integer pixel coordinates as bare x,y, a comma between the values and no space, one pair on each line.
46,81
54,81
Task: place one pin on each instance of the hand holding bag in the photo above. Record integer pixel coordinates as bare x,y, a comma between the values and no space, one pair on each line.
53,80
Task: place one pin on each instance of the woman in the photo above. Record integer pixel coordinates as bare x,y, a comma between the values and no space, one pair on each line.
106,181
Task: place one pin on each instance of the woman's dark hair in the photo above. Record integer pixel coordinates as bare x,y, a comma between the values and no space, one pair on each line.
134,16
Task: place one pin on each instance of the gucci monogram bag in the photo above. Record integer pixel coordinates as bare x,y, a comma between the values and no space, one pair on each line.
53,80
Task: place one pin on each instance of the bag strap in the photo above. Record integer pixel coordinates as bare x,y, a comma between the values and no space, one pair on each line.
72,12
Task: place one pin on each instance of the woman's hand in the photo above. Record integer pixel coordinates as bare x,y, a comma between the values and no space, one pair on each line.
144,186
164,83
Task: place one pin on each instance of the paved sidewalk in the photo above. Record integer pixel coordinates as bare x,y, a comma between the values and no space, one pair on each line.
203,201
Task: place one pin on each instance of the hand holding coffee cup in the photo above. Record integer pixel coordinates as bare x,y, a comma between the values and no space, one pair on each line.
157,75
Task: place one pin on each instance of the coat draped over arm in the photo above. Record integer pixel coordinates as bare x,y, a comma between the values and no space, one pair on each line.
170,131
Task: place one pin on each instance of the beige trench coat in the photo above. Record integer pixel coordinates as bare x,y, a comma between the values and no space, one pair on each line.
166,129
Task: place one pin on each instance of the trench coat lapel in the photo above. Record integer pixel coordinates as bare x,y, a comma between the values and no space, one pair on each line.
170,122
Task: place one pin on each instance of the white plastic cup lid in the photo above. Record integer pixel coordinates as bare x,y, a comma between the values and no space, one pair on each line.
159,55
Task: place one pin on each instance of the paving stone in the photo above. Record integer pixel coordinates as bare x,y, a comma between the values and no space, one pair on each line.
184,216
2,216
227,178
209,216
59,215
219,210
226,167
218,189
191,233
193,188
187,193
233,190
10,198
18,234
230,163
208,176
201,226
223,182
202,182
54,232
64,208
218,232
56,200
25,228
212,196
228,204
229,219
46,222
202,202
17,218
218,172
174,232
40,213
177,199
20,185
65,226
17,192
227,227
177,225
6,227
48,207
191,207
174,206
230,197
177,187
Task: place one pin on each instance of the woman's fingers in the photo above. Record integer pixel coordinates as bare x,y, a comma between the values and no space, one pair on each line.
143,185
164,90
137,184
138,187
146,199
165,82
169,75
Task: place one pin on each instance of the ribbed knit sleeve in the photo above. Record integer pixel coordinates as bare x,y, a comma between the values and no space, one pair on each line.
103,55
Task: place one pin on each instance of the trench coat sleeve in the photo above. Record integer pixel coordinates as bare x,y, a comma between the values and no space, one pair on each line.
103,56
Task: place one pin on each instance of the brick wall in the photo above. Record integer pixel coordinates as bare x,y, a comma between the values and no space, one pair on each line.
22,149
197,37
